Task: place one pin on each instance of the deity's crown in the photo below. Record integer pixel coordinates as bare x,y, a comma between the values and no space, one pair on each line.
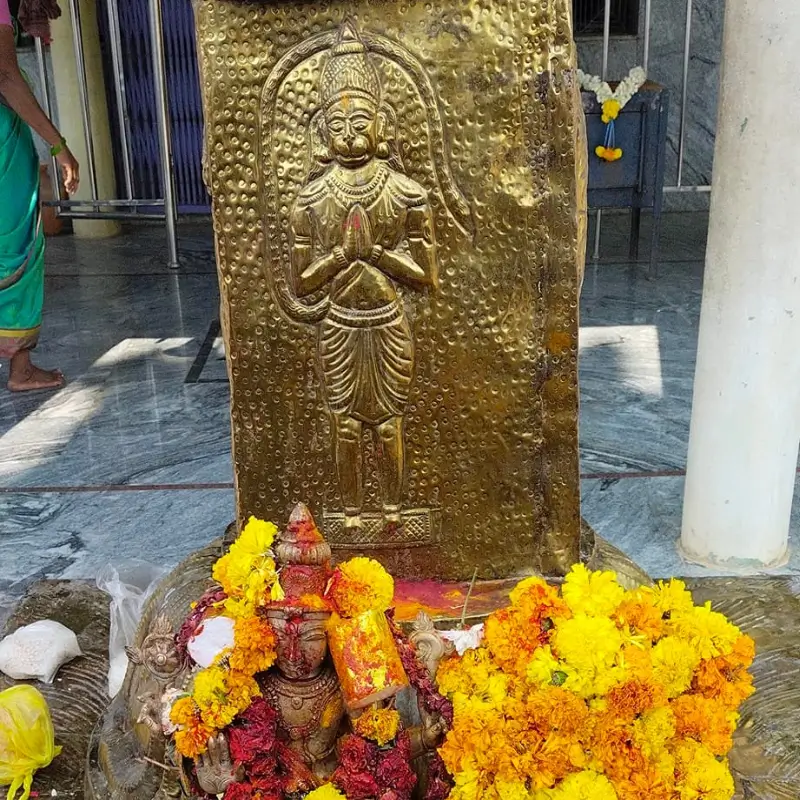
349,70
304,562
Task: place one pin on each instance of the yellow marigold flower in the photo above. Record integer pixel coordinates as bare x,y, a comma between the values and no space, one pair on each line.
222,694
511,790
247,570
671,596
466,673
210,685
611,109
708,632
378,724
700,776
256,538
543,667
587,642
596,594
586,785
493,693
237,609
637,614
467,786
653,730
674,662
326,792
361,584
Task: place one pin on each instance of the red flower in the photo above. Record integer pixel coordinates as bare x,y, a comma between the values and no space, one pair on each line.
394,771
357,755
254,732
439,781
252,791
356,785
263,767
419,677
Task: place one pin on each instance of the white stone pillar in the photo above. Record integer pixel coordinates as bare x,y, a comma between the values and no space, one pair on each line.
745,427
70,120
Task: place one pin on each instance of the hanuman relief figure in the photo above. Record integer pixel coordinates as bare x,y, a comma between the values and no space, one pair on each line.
361,229
358,236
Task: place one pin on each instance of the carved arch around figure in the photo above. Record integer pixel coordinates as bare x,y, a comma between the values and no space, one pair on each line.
277,254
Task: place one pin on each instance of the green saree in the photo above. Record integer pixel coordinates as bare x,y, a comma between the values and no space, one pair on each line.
21,237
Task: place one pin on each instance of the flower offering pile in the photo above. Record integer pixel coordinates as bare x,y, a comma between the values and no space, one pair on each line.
597,693
294,669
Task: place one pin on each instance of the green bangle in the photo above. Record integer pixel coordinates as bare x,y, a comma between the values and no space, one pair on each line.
57,148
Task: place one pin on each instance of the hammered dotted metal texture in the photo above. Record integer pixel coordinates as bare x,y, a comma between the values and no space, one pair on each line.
491,427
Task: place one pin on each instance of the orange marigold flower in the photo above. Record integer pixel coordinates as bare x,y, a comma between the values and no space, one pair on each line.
638,616
509,640
706,721
718,680
379,724
556,709
361,584
254,646
191,738
632,698
744,652
183,711
192,741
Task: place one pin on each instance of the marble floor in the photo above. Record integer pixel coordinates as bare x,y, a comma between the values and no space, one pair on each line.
132,458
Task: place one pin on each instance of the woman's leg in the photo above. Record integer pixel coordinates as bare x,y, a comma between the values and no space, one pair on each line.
25,376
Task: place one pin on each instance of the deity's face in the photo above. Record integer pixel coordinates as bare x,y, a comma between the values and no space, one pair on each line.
353,130
301,645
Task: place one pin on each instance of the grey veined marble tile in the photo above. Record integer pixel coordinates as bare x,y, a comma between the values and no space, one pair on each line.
637,353
642,517
74,535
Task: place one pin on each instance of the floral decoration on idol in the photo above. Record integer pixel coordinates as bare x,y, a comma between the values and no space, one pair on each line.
597,693
612,101
229,641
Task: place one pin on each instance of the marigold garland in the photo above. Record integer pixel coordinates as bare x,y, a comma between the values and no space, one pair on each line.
247,571
226,689
597,693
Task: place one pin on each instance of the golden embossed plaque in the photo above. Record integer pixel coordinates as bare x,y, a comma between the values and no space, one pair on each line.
400,219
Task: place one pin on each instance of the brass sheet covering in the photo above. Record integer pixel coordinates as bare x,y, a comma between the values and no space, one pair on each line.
465,379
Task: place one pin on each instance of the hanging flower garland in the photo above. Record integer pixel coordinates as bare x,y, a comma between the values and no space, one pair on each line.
612,102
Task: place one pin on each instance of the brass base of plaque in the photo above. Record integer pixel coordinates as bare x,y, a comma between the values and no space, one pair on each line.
419,527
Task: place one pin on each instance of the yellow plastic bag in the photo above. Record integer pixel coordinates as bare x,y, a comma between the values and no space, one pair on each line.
27,741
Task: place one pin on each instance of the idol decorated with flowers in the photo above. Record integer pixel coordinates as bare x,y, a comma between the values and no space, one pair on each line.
296,672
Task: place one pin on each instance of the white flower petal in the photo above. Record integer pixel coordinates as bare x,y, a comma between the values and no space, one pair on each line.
214,636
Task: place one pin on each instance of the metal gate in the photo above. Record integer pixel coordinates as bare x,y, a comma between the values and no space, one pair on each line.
183,91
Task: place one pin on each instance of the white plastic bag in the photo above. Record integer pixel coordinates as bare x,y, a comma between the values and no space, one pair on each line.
37,651
130,585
